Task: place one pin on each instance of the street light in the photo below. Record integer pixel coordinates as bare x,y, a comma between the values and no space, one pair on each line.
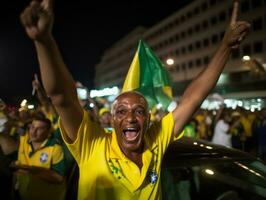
170,61
255,65
246,58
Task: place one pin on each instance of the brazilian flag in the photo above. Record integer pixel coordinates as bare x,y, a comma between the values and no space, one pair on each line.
149,76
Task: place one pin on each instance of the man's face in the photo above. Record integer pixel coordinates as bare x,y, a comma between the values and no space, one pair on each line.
38,131
130,120
105,119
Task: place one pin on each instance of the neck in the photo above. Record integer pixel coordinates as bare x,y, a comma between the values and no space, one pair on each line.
36,145
135,156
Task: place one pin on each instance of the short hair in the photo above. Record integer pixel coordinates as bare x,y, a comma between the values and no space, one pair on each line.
41,117
133,91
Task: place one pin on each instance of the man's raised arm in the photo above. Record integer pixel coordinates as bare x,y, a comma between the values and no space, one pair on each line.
58,83
200,87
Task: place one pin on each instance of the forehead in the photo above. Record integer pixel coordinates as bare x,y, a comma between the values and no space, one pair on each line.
39,123
130,98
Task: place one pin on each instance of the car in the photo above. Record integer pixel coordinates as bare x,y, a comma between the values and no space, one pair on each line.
200,170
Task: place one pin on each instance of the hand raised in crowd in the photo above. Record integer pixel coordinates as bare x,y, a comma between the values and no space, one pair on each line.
237,30
36,83
38,18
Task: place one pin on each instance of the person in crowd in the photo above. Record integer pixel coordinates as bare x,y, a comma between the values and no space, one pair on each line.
124,164
105,119
260,134
222,134
49,111
40,167
45,104
8,154
238,137
190,129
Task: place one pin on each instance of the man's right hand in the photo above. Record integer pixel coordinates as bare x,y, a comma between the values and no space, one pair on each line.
37,19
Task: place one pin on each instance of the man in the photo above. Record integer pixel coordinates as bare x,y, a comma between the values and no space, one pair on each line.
40,165
124,164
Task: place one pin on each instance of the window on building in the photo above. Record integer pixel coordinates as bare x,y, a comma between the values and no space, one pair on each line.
246,49
177,37
183,50
190,47
206,60
197,28
204,6
171,40
205,24
214,20
182,19
177,68
212,2
177,52
258,47
198,62
183,34
190,64
190,31
245,6
184,65
257,24
235,53
206,42
214,39
196,10
222,35
198,44
222,16
176,22
256,3
189,14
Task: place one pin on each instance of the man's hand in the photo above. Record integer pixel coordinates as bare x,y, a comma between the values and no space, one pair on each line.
35,82
37,19
237,30
40,172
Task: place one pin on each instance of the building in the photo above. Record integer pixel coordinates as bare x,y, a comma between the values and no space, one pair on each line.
190,37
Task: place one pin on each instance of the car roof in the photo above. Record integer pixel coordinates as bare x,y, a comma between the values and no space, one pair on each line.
190,151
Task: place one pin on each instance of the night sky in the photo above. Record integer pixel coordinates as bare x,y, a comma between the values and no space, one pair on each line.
83,30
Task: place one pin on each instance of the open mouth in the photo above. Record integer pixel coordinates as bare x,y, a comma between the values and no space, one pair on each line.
131,134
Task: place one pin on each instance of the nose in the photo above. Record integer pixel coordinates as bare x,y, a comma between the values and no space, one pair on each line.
131,117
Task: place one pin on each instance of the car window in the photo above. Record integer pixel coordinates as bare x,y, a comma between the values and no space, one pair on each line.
219,181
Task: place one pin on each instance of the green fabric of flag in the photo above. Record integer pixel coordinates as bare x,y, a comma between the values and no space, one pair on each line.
149,76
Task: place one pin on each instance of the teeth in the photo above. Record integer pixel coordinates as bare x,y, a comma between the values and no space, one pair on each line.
130,129
130,134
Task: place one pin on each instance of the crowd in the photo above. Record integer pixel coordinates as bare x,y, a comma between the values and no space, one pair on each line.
26,134
67,145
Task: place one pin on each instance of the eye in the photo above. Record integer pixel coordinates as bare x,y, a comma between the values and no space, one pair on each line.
140,112
120,111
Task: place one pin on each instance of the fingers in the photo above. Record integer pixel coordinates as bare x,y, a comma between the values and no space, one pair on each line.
241,26
234,12
48,5
240,31
30,15
36,77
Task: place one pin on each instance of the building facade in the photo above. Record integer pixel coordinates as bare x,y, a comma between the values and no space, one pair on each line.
190,37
